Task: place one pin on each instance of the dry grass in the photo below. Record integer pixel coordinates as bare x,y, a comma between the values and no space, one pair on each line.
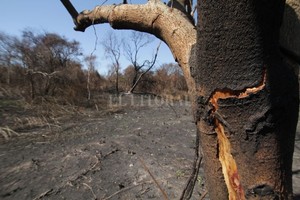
7,133
18,116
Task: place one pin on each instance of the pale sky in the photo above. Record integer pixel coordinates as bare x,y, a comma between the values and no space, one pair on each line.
51,16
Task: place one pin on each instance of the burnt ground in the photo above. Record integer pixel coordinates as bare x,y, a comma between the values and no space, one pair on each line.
119,153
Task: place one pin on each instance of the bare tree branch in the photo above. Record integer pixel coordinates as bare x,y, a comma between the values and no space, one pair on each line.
151,64
112,48
170,25
72,11
133,48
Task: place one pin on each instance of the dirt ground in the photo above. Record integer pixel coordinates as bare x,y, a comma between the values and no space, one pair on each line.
123,153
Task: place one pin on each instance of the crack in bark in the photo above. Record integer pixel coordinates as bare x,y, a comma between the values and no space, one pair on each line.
229,166
155,19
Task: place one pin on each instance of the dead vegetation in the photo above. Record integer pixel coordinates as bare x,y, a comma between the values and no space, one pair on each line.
98,153
43,82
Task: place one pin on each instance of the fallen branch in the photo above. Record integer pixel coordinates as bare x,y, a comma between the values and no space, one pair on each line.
155,181
203,195
173,110
91,189
122,190
44,194
70,182
110,153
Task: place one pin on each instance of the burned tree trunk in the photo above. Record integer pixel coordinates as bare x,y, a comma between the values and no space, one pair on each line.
247,100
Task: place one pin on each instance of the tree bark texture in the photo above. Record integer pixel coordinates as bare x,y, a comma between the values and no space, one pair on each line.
246,100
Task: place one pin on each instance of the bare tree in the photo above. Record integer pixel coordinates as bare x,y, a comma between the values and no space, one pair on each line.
45,55
90,62
245,98
46,52
133,48
171,78
8,53
112,48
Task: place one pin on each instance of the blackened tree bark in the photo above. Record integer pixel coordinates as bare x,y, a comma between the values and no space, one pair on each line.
247,100
246,97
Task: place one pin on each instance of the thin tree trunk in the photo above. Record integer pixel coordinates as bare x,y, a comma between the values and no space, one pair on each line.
117,80
88,84
8,74
32,89
247,100
134,82
136,79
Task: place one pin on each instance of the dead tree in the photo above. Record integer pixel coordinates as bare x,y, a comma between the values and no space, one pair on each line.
132,49
112,49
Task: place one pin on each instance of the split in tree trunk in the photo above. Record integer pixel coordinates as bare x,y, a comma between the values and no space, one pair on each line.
247,100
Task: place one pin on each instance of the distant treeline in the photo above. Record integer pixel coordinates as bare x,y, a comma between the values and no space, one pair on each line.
47,65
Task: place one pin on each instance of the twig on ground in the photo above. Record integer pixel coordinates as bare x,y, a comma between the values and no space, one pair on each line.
122,190
111,152
203,195
71,181
153,178
84,173
44,194
173,110
91,189
189,188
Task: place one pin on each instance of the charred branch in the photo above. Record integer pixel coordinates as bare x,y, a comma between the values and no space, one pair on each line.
70,8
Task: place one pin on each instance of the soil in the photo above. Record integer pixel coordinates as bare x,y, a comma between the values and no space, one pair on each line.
140,148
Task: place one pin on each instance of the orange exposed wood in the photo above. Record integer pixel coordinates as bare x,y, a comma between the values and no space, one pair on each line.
229,166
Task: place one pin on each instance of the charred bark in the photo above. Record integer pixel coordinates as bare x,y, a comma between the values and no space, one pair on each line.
247,100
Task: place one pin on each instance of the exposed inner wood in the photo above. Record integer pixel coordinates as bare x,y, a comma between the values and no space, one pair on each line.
229,166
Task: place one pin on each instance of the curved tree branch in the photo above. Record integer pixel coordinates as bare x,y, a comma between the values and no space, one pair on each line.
168,24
